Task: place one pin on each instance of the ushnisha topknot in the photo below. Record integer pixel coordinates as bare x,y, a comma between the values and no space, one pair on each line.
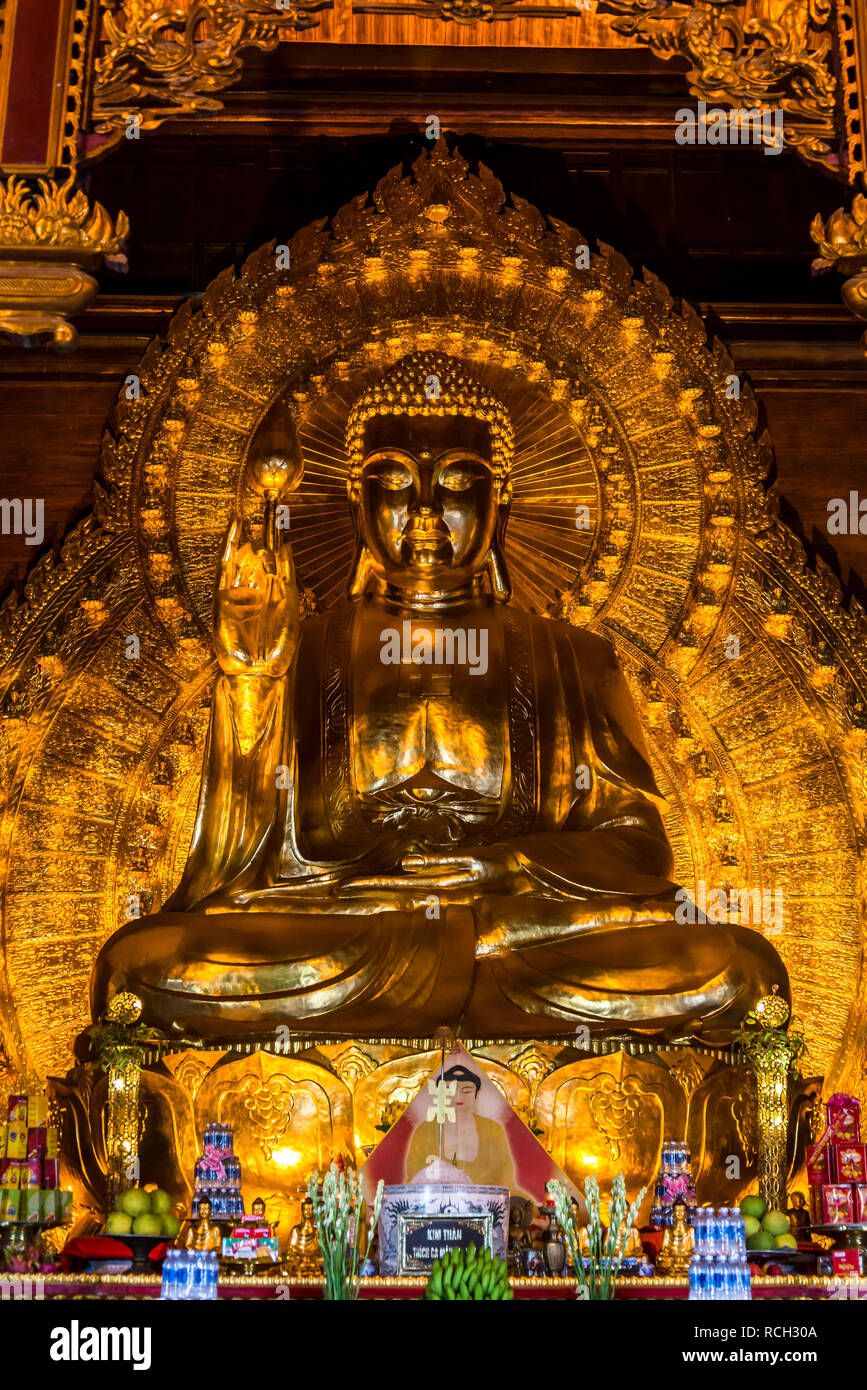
431,383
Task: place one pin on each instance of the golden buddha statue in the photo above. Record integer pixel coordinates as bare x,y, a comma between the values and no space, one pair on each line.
203,1233
303,1254
634,1247
424,806
678,1243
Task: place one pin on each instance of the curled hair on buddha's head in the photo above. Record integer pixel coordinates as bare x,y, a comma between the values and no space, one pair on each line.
462,1073
433,384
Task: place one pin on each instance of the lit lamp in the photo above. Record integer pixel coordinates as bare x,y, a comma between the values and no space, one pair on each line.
274,464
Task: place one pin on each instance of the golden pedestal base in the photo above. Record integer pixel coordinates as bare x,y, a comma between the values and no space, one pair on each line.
602,1112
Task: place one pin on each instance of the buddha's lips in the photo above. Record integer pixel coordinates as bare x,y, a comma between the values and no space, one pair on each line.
427,533
427,540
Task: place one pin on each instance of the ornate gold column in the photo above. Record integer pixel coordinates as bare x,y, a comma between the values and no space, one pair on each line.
772,1053
117,1041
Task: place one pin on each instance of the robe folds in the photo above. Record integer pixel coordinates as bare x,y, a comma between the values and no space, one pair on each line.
331,774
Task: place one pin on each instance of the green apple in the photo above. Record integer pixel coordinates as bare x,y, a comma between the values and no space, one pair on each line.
751,1226
147,1225
786,1241
776,1222
118,1223
161,1202
754,1206
171,1225
757,1242
135,1202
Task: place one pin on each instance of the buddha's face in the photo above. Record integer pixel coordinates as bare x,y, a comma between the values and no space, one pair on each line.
203,1210
465,1096
429,500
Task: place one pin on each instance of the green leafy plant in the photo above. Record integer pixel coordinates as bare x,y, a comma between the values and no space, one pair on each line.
764,1046
337,1211
467,1275
596,1272
121,1045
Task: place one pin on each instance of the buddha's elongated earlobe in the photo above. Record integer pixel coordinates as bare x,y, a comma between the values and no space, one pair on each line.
498,575
360,572
495,565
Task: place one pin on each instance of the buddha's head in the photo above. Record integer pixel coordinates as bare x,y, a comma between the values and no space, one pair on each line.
467,1086
203,1209
430,449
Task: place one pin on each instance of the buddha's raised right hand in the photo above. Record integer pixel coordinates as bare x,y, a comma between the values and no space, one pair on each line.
256,607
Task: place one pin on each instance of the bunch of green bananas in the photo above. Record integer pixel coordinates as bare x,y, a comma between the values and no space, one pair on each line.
468,1274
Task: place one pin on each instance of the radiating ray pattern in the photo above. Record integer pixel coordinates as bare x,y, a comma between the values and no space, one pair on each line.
552,477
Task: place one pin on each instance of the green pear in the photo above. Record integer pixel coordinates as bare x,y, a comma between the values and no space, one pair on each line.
148,1224
134,1202
754,1206
776,1223
786,1242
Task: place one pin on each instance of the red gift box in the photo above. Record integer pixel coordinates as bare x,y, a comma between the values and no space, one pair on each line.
844,1117
850,1161
819,1161
837,1203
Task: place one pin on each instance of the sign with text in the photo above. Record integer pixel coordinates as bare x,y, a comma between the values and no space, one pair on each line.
423,1239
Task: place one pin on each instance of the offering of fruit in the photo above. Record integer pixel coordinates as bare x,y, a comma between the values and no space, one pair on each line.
759,1241
754,1206
143,1212
148,1224
776,1223
468,1275
752,1226
786,1241
134,1202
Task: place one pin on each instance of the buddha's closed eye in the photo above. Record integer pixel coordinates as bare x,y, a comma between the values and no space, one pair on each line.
459,477
394,478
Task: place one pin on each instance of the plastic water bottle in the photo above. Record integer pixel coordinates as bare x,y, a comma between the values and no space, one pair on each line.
701,1232
213,1275
197,1289
168,1289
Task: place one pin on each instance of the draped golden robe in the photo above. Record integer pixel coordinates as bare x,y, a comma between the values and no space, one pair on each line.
331,773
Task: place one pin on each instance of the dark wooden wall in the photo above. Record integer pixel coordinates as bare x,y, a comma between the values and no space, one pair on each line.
725,228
